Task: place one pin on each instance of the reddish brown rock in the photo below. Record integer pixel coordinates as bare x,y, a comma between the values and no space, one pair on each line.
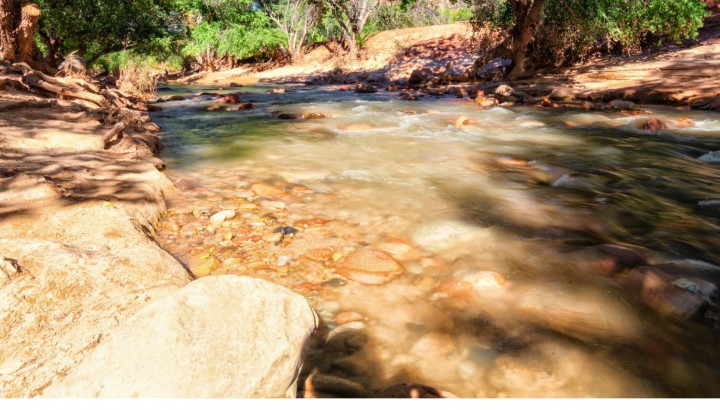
229,99
463,120
245,106
266,190
346,317
370,267
314,115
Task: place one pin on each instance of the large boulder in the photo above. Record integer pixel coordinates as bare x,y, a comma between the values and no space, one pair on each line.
224,336
419,76
495,69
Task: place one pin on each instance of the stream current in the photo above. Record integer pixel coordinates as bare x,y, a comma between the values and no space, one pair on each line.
546,252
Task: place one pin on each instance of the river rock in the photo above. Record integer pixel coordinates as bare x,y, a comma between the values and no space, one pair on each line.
337,386
220,217
710,207
504,90
651,124
463,120
622,105
495,69
365,88
314,115
229,99
204,267
225,336
608,258
580,312
347,317
443,235
562,93
417,77
245,106
578,182
409,391
712,157
369,267
266,190
671,290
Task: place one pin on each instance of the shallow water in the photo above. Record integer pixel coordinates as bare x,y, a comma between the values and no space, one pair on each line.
504,292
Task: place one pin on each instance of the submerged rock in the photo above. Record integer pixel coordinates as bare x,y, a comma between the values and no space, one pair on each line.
710,207
220,217
365,88
676,288
370,267
226,336
712,157
622,105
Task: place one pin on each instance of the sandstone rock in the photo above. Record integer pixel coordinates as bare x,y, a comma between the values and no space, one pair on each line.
650,124
266,190
365,88
277,91
671,294
495,69
245,106
442,235
417,77
370,267
347,317
587,106
229,99
204,267
220,217
613,258
224,336
504,91
337,386
621,105
314,115
562,93
463,120
488,102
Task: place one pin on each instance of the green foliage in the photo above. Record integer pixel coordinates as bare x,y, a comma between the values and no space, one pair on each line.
229,28
571,28
96,27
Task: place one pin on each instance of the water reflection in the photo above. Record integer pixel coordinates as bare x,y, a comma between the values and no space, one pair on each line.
525,238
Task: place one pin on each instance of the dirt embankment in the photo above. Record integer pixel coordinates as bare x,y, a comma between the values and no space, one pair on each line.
685,75
76,213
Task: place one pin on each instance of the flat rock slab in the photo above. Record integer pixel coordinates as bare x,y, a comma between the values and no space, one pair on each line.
226,336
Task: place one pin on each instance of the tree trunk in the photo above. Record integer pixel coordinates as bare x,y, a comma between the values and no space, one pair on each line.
8,17
25,47
527,19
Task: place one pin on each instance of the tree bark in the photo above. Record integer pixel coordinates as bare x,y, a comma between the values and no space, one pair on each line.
8,17
527,20
25,46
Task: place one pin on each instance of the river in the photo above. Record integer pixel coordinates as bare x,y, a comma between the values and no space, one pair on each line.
544,252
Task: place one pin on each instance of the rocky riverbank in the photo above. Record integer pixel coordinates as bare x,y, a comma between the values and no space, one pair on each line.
423,61
87,297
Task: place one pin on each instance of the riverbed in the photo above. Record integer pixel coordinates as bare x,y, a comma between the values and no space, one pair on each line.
544,252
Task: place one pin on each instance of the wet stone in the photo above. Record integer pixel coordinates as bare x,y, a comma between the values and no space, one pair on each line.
370,267
338,386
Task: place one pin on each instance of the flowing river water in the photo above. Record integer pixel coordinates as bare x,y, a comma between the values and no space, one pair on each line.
544,252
